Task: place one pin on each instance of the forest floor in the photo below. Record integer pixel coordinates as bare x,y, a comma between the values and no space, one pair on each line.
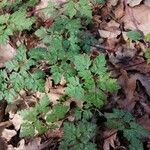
127,63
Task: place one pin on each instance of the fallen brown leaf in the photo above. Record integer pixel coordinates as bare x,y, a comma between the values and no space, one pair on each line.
145,81
110,138
128,85
145,122
109,34
140,15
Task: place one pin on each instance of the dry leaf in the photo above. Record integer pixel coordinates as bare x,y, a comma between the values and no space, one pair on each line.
141,16
111,137
20,147
119,11
7,52
145,81
56,93
112,2
17,121
109,34
128,85
8,134
133,3
145,122
147,2
33,145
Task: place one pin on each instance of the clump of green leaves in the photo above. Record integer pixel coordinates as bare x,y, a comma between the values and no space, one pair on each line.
125,122
17,76
92,82
42,117
10,23
78,135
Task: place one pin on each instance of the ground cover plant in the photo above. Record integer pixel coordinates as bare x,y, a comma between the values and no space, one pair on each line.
71,84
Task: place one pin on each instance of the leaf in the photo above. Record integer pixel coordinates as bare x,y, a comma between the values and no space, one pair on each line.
4,18
70,9
19,21
85,8
99,65
95,98
134,35
147,55
74,88
57,113
82,62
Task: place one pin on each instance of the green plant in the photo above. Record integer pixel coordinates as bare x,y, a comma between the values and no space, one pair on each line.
17,76
134,35
125,122
42,117
78,135
67,55
16,22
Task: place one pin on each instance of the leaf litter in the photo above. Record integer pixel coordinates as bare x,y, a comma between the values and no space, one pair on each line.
130,67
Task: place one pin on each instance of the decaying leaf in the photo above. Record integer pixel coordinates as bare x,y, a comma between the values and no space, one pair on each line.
138,15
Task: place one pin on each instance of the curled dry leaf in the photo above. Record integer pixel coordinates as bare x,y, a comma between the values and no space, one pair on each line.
138,15
133,3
